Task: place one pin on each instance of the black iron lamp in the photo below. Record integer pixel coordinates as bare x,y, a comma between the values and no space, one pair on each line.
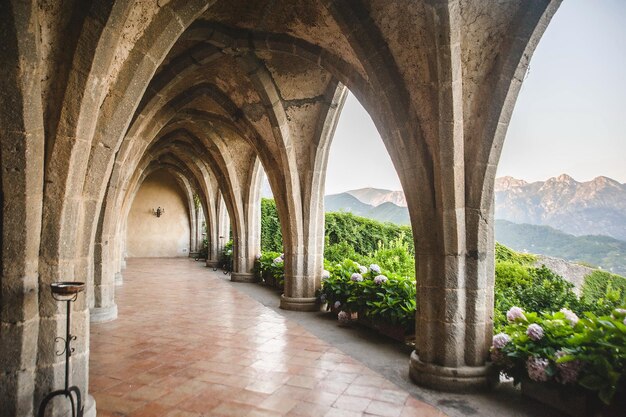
158,211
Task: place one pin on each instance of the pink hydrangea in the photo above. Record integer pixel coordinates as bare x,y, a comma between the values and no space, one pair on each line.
501,340
380,279
568,371
343,317
356,277
570,316
535,332
515,313
536,368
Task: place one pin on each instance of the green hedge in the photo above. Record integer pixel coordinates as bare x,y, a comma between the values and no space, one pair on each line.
271,236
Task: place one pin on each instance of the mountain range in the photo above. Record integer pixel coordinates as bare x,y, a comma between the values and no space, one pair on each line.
596,207
561,217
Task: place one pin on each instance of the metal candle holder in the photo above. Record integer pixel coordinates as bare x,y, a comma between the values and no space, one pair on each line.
66,291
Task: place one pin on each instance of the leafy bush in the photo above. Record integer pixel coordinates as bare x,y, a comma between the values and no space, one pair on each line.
270,267
533,289
563,349
382,296
271,235
364,234
504,254
600,285
395,257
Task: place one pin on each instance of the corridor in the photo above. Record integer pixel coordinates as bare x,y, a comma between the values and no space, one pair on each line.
188,344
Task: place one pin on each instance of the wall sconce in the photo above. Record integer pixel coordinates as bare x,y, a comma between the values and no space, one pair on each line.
158,211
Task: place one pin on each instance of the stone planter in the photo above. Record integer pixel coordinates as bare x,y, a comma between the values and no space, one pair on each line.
574,401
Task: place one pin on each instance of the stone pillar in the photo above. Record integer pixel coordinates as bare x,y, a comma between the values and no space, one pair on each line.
248,245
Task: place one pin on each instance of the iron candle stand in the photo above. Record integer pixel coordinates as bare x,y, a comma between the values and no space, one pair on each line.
66,291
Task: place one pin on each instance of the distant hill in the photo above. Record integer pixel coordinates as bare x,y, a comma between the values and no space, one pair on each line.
376,196
603,251
385,212
596,207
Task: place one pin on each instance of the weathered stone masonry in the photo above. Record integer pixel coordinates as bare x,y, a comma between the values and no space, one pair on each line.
98,94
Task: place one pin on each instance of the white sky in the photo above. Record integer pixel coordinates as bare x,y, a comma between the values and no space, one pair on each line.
570,115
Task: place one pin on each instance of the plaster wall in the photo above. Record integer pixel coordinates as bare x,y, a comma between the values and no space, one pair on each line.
165,236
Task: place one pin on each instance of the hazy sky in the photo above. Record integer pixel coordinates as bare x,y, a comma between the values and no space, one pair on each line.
570,115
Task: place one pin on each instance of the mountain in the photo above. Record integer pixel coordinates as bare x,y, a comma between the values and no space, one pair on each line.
375,196
596,207
602,251
385,212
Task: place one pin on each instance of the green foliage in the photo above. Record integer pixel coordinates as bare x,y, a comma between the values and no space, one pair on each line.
598,283
395,257
390,300
504,254
594,346
227,251
364,234
270,267
533,289
603,291
271,235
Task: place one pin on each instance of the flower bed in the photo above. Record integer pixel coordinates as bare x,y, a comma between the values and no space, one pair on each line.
565,352
385,301
270,268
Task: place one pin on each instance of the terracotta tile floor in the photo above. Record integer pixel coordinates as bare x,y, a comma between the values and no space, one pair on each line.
187,344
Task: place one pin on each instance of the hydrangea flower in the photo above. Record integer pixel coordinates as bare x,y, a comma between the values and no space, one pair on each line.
282,256
624,321
356,277
337,304
362,269
278,260
325,275
343,317
568,371
501,340
535,332
323,298
515,313
536,368
258,256
380,279
229,252
375,268
570,316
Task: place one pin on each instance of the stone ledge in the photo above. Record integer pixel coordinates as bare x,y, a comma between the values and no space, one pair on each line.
299,304
103,314
243,277
443,378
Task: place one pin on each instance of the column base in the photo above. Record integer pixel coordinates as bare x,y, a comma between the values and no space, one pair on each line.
461,379
299,304
103,314
119,279
90,407
211,263
243,277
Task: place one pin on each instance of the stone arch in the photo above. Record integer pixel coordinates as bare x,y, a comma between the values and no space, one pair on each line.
21,184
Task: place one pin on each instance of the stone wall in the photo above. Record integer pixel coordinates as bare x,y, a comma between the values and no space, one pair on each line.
572,272
165,236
